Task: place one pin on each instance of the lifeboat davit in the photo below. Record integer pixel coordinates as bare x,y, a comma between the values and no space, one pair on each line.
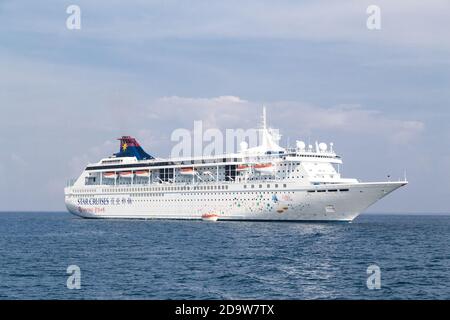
265,168
142,173
187,171
210,217
109,175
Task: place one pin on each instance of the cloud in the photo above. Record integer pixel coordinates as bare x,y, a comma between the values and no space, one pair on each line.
354,119
145,68
233,112
18,161
92,155
413,22
214,112
203,102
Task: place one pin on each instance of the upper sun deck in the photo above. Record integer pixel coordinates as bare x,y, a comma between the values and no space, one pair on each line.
292,154
131,155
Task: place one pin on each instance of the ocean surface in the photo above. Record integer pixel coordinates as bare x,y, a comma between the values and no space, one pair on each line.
126,259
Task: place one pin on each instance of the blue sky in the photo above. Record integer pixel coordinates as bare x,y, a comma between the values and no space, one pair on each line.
145,68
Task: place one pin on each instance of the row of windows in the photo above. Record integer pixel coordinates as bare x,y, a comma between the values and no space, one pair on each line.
329,190
198,194
148,194
314,156
182,188
209,199
268,186
112,161
196,200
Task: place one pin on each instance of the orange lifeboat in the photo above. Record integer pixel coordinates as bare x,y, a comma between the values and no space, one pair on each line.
109,175
142,173
187,171
126,174
243,167
264,168
210,217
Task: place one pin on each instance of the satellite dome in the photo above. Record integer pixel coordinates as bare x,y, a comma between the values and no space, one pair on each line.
300,144
243,145
323,146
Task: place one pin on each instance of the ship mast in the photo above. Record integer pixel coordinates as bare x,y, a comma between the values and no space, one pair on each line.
264,121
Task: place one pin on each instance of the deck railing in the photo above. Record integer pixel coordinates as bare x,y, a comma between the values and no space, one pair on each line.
70,182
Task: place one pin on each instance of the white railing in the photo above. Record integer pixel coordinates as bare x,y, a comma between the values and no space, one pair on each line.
70,182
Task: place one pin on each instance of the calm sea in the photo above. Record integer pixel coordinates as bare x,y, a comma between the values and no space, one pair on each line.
224,260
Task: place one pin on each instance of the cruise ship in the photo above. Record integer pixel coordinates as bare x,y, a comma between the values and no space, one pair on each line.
266,183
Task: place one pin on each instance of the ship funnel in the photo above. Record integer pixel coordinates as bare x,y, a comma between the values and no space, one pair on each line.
129,147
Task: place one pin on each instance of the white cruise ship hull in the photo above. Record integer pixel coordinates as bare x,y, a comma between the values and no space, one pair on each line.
265,182
332,202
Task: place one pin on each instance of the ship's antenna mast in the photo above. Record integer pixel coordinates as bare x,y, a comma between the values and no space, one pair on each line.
264,121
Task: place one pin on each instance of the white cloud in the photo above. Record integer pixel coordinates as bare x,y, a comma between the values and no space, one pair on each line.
407,22
18,161
354,119
62,87
233,112
92,155
214,112
202,102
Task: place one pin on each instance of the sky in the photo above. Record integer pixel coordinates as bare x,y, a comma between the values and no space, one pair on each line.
146,68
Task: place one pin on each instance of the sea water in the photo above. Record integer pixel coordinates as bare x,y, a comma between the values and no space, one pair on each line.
163,259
